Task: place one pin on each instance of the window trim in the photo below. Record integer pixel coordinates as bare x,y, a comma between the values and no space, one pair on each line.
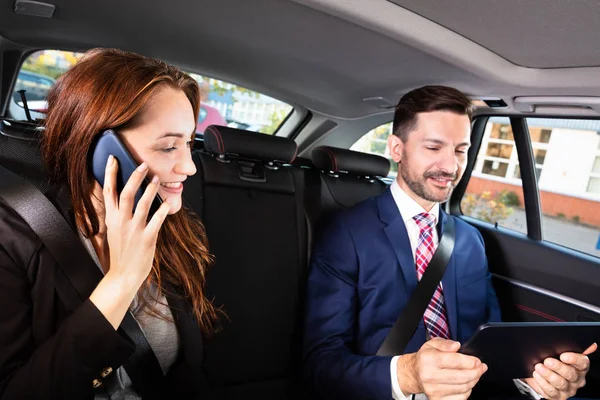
13,61
524,157
477,133
531,190
593,174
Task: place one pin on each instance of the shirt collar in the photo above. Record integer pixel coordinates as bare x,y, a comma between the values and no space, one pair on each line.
408,207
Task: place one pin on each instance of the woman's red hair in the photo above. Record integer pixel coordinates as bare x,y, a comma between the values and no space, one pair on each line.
108,89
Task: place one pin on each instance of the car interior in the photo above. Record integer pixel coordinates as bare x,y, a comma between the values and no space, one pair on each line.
342,66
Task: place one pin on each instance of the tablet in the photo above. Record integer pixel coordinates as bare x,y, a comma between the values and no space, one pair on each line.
512,349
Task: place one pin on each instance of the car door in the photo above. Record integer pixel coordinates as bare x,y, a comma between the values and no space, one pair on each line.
531,190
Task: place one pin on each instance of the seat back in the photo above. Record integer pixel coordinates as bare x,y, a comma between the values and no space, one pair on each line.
20,152
250,200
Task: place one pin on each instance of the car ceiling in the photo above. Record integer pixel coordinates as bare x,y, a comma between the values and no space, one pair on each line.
328,55
535,34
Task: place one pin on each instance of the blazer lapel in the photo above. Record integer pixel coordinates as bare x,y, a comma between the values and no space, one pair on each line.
398,237
82,279
449,283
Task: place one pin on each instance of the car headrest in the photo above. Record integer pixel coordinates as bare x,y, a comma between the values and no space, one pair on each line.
225,141
341,160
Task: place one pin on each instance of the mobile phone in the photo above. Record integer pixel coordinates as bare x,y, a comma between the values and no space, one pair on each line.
108,143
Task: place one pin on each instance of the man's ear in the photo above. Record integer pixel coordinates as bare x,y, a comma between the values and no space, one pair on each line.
396,147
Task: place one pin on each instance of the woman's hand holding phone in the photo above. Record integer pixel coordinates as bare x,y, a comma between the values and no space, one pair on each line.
131,240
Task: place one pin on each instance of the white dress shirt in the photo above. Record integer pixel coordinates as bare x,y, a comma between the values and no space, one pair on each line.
408,209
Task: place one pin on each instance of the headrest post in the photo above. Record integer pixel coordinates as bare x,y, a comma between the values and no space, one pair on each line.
272,166
223,159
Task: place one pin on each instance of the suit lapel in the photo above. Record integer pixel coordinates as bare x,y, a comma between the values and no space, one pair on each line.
395,230
449,283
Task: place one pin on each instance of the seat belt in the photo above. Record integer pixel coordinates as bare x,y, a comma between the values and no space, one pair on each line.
406,325
65,247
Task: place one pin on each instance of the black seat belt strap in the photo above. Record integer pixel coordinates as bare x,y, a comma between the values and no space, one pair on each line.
65,247
406,325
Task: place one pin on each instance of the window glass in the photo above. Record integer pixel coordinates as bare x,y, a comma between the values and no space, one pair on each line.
499,150
570,183
494,193
501,131
237,107
495,168
37,75
596,167
540,135
222,103
594,185
375,142
567,166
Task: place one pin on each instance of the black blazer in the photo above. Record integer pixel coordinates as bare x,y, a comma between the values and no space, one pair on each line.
54,344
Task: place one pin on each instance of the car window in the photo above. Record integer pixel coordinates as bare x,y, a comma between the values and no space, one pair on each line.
567,170
495,193
38,73
36,87
232,105
567,154
375,142
223,103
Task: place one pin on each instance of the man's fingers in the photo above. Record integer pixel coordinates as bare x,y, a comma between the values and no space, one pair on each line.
566,371
454,376
461,396
579,361
109,190
457,361
547,389
590,349
552,378
442,391
444,345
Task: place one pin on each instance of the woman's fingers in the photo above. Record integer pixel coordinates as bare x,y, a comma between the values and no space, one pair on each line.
143,207
133,184
109,189
157,220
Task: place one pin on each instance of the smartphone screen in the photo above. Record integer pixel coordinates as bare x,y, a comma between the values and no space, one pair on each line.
108,143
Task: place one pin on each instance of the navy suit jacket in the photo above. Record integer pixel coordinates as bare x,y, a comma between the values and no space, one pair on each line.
362,274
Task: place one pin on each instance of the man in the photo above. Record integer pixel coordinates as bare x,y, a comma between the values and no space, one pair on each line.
369,260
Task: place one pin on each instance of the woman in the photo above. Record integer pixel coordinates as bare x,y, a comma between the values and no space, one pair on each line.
57,345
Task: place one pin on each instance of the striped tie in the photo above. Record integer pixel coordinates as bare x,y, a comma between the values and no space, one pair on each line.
435,318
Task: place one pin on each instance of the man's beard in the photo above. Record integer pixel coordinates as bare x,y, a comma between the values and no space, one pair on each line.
418,184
